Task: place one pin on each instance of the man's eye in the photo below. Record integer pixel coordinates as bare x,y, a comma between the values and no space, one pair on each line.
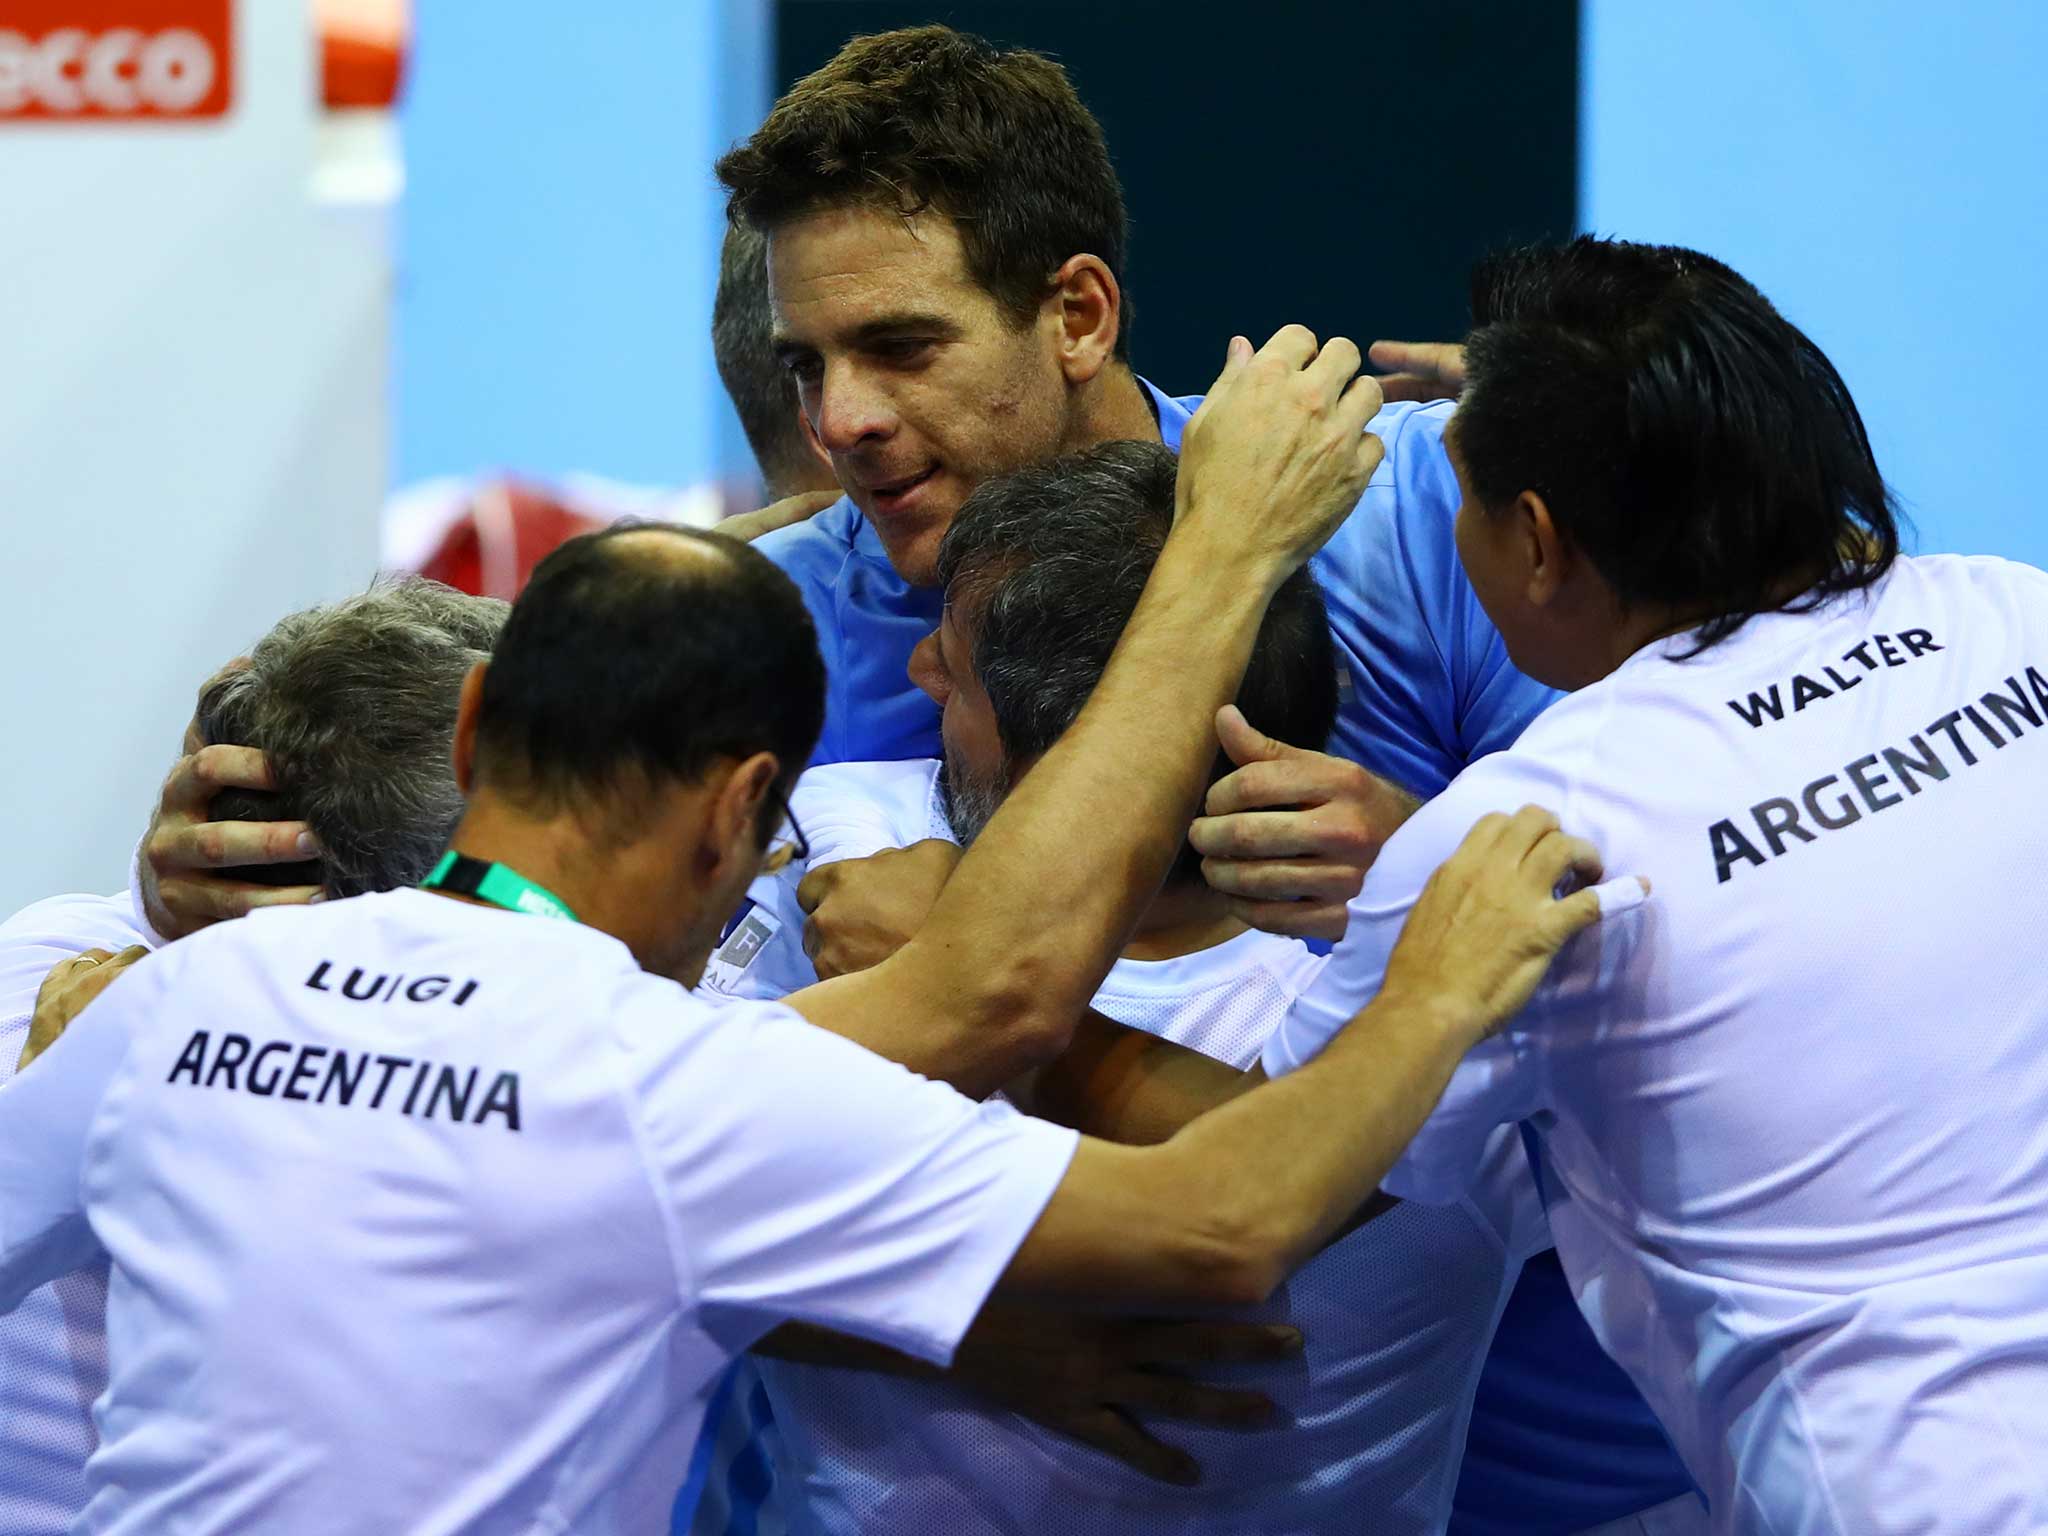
805,370
902,349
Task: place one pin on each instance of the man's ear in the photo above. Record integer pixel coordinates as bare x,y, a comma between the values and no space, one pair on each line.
734,818
465,727
1549,558
1089,306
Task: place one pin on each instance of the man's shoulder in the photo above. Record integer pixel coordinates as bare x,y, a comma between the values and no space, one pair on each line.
714,1050
851,810
1528,773
77,922
816,548
1398,424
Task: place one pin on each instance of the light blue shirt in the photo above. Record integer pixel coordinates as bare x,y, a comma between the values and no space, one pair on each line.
1427,685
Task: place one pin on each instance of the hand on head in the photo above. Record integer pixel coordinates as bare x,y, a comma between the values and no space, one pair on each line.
1278,454
183,852
1290,835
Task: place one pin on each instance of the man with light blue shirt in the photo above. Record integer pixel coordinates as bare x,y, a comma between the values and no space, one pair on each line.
945,238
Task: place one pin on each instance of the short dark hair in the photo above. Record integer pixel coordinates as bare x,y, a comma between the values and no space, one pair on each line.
624,666
354,705
762,392
1050,561
1695,445
928,117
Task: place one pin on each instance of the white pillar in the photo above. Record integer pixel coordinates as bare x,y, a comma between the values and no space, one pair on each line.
192,433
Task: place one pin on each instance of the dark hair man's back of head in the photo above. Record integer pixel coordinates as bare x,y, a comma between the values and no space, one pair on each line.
1047,564
354,704
762,392
642,655
1690,441
928,117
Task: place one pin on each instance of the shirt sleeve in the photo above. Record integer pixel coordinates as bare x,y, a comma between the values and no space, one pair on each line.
813,1181
855,810
46,1114
1499,1080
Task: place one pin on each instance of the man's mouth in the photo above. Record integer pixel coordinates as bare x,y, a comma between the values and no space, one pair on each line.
895,495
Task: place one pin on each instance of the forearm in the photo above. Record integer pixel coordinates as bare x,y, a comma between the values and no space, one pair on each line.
1225,1208
1283,1168
1121,1084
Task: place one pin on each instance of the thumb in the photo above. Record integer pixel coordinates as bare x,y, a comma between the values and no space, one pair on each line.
1245,743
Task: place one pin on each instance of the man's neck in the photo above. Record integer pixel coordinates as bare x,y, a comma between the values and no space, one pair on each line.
1115,409
631,892
1182,920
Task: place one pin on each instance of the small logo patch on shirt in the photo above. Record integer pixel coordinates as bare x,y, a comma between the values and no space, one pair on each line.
744,941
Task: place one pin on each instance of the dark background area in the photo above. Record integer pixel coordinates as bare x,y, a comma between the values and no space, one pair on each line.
1338,163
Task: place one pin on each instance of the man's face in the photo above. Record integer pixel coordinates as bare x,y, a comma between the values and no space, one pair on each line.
1491,552
977,773
915,381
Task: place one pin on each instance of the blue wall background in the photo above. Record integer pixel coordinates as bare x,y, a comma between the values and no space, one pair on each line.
558,237
1881,171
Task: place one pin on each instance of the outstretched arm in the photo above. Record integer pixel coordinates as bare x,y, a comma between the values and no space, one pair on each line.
1230,1204
1027,927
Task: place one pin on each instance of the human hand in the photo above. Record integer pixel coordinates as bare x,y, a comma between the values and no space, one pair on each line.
1489,921
1084,1376
861,911
69,986
181,893
1278,454
1289,836
749,526
1421,370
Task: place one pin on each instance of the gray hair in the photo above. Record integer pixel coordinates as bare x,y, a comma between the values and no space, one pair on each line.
354,704
1045,566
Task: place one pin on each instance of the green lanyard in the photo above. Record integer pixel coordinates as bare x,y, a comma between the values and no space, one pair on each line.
499,884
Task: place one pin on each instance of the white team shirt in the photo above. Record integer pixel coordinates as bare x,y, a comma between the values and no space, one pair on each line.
1796,1107
431,1217
1397,1316
53,1347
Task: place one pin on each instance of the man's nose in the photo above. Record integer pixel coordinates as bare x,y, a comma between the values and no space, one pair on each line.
925,670
851,409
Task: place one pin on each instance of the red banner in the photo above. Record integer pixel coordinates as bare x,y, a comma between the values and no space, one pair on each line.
95,60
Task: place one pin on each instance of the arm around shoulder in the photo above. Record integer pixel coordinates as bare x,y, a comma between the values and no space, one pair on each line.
1230,1204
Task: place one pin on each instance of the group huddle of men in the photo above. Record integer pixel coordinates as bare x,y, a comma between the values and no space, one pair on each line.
1022,999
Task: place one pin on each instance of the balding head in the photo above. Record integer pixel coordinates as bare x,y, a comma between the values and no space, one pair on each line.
642,655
